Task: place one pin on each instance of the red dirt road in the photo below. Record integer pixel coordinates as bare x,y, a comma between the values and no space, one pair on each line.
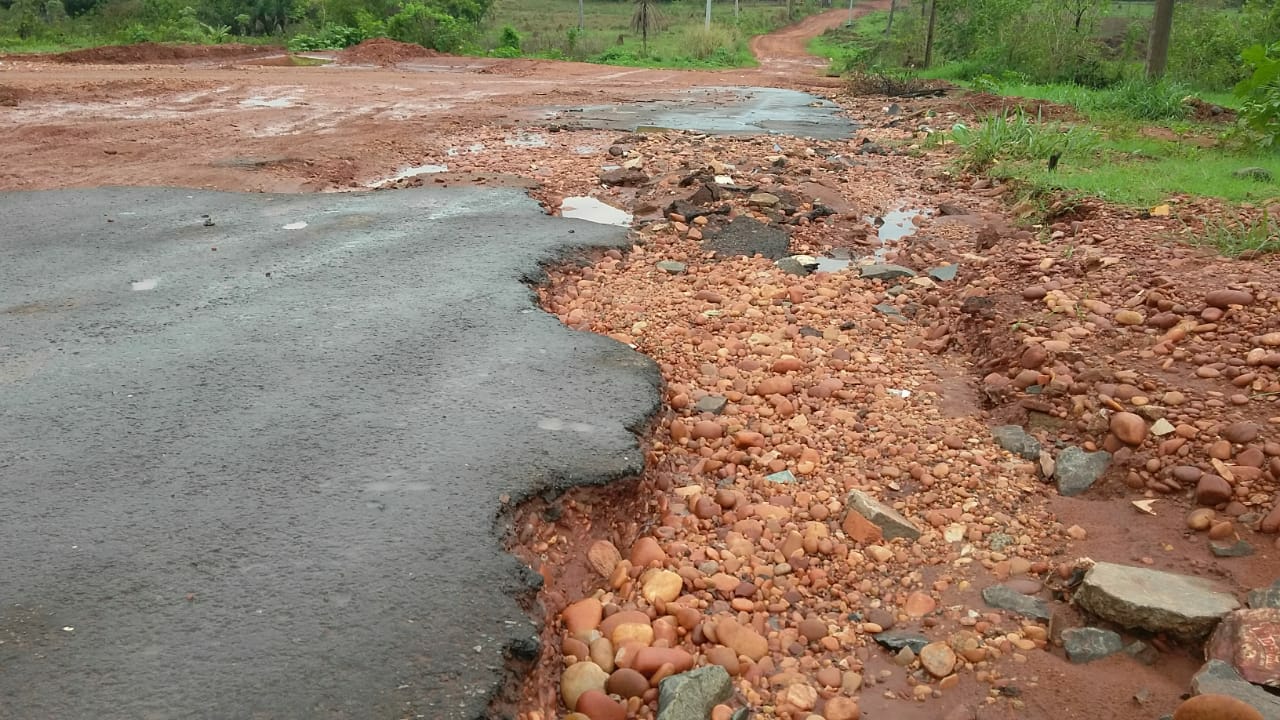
248,124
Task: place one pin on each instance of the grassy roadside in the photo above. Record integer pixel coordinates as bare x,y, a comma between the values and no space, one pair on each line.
1135,143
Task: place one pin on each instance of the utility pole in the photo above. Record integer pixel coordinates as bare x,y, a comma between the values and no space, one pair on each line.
707,25
735,11
850,14
581,16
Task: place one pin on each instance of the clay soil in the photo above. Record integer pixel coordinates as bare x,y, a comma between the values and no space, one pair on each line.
1058,322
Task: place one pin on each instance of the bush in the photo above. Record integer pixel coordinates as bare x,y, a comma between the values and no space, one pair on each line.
1260,94
510,40
330,37
428,27
1206,45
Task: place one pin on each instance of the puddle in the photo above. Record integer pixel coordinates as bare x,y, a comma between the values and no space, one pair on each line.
527,140
406,173
826,264
721,111
896,224
262,102
296,225
140,285
473,149
592,210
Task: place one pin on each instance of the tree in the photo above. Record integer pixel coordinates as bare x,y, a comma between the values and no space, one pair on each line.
645,20
928,37
888,28
1161,29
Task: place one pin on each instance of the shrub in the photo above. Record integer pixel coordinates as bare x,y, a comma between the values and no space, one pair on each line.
509,40
428,27
703,44
1260,94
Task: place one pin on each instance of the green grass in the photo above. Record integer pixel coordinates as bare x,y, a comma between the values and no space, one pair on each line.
1236,236
548,28
849,47
1144,173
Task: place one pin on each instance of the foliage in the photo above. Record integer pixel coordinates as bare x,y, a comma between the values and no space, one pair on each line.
1206,44
1019,137
331,37
428,26
646,21
1260,94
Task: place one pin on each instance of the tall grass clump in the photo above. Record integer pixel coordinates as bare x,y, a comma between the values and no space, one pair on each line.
1019,137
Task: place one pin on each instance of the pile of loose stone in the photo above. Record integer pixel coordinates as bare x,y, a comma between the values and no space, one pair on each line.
837,520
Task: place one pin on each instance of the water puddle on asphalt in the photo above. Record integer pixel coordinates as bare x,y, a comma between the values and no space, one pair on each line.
826,264
296,225
592,210
720,111
261,102
409,172
140,285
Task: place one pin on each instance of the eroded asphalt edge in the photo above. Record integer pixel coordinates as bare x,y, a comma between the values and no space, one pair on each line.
117,438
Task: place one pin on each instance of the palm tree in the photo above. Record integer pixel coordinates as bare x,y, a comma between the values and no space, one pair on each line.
646,20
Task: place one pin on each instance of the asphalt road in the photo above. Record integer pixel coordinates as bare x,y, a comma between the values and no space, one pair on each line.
248,471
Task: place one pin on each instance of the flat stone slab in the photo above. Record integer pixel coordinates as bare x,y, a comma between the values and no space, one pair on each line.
1087,644
1017,441
1219,678
254,469
1136,597
1076,470
1006,598
1250,641
691,695
890,522
885,271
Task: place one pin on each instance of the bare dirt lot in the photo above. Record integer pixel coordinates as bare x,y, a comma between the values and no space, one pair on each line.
1096,328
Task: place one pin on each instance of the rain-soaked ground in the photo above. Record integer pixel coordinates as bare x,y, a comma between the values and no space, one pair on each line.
255,446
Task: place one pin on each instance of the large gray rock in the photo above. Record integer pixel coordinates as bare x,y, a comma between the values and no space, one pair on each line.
1219,678
1077,470
1088,644
891,524
1006,598
1153,600
691,695
1017,441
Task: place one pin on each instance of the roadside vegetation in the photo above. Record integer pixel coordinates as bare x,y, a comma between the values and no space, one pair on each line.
662,33
1208,125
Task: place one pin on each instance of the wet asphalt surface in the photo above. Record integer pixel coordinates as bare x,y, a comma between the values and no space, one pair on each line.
721,111
262,481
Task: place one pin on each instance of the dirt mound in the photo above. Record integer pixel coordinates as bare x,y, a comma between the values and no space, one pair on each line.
11,96
149,52
383,51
